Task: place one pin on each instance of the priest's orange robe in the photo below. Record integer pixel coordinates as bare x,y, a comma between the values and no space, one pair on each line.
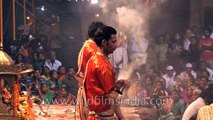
89,48
99,81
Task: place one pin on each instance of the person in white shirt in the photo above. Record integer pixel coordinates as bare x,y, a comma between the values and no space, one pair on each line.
211,29
204,66
138,50
169,76
201,101
189,72
193,108
119,58
206,112
211,36
52,63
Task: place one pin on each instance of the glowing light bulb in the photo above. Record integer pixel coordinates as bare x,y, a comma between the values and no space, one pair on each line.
97,15
94,1
42,8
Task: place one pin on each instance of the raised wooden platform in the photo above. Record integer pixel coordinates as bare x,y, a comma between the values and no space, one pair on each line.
60,112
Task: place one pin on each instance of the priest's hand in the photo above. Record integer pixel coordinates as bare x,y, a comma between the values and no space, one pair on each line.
121,83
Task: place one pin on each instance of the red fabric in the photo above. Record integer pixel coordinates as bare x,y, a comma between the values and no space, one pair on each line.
25,52
89,48
100,79
61,78
207,54
92,117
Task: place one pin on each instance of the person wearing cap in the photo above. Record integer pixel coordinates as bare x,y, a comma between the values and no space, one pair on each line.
169,76
189,72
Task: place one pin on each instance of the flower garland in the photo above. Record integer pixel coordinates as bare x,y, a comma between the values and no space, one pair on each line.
22,110
30,106
8,95
25,108
16,98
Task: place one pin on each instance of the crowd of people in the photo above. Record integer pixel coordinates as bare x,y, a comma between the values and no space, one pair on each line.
50,80
179,67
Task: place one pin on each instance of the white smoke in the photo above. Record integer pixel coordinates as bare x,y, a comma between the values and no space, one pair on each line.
132,17
131,20
129,17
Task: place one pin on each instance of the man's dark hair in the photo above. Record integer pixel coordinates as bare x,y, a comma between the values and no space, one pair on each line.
93,28
209,98
210,86
104,33
36,69
205,77
52,72
42,85
207,29
160,82
66,89
204,93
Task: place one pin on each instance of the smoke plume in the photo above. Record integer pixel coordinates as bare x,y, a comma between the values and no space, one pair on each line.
129,16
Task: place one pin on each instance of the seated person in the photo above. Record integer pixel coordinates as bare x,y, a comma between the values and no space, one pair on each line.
195,94
34,83
189,95
192,110
178,106
141,92
65,97
54,83
36,78
203,82
206,112
71,81
46,94
159,90
61,73
46,73
149,85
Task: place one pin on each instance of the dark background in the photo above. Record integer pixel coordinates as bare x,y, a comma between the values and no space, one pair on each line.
174,17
